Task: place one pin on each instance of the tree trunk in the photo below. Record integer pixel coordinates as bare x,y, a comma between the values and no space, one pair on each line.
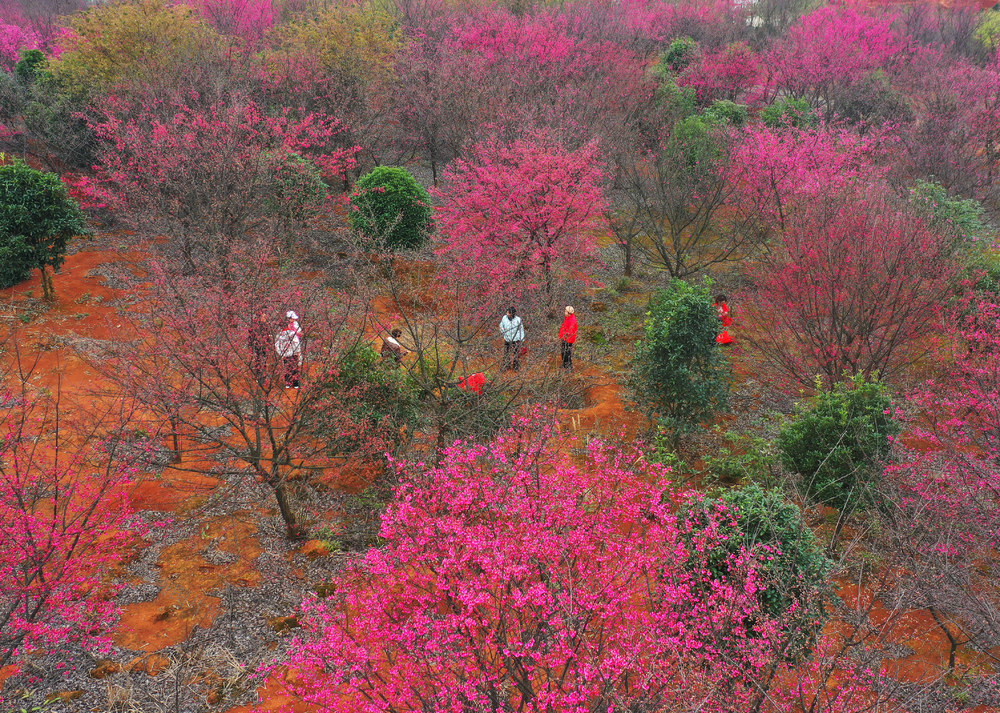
295,530
48,292
175,438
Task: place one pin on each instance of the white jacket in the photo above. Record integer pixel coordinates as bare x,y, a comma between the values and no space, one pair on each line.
512,329
288,343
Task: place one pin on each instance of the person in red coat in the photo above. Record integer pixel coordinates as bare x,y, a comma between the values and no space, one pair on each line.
567,334
473,382
720,304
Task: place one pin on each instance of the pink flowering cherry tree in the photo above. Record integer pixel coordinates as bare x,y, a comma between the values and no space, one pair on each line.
246,19
513,578
947,486
855,284
525,214
14,39
205,176
832,49
65,524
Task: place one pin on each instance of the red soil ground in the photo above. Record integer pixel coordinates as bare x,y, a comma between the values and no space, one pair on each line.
82,310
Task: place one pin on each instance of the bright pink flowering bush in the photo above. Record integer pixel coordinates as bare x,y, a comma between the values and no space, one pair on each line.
831,49
13,39
855,284
513,578
65,523
525,213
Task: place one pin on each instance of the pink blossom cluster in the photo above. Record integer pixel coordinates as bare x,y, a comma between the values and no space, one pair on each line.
514,578
246,19
65,524
531,200
13,40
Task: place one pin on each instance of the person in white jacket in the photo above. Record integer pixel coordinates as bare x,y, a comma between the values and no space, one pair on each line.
512,329
288,345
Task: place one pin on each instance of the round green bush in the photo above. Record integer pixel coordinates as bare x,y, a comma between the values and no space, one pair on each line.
375,393
681,52
30,66
727,113
680,372
390,209
841,443
790,112
794,569
37,219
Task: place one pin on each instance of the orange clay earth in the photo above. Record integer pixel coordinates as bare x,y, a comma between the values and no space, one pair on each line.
82,310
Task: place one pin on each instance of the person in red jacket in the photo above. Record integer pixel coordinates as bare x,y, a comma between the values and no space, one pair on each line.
567,334
723,308
474,383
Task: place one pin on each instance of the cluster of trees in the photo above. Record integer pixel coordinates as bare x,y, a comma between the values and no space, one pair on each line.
840,161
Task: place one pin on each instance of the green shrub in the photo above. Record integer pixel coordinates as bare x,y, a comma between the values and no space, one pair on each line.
795,570
748,459
679,54
390,209
30,66
789,112
727,113
840,444
987,267
964,220
694,142
988,29
37,219
680,372
376,393
675,102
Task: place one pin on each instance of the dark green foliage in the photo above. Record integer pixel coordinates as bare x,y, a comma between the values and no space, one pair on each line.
748,459
725,112
377,395
680,54
695,143
874,102
37,219
54,116
389,208
30,66
674,101
681,374
794,567
789,112
840,444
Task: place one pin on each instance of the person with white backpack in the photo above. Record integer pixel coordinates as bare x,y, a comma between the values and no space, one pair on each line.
288,345
512,329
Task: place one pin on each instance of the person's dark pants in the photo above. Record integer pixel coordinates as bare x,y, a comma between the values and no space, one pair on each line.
292,371
512,355
567,355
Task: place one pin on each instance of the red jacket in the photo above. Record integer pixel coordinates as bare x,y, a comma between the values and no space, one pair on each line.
567,332
473,383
